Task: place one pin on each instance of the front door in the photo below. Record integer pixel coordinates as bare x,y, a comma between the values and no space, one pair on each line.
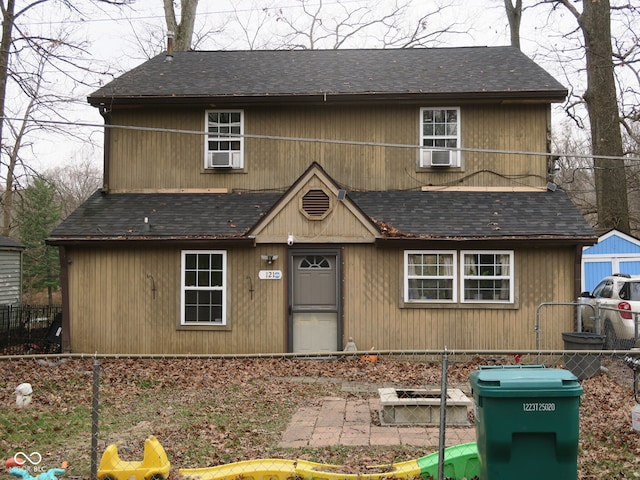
314,301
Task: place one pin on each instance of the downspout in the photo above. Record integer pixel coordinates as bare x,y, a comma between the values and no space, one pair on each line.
64,285
106,115
577,272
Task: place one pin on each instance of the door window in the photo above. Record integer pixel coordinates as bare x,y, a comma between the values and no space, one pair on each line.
314,261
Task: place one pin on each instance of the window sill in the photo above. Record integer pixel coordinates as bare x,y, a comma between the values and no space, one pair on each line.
486,305
222,171
203,328
453,168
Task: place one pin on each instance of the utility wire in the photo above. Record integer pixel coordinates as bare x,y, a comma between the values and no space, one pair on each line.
199,14
321,140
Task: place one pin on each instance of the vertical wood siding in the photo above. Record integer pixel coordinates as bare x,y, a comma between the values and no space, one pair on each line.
114,308
163,160
375,316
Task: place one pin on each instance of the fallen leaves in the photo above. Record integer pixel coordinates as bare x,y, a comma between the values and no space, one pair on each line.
214,411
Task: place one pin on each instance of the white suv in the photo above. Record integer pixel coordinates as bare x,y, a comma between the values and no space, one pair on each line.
616,299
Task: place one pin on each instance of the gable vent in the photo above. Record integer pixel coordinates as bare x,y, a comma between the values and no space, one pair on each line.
316,203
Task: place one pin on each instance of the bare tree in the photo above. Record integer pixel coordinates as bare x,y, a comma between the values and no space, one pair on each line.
75,182
606,94
601,101
315,25
514,15
16,44
252,26
185,34
574,169
183,30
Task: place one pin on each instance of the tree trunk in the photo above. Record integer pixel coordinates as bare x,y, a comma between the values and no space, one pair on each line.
5,47
183,31
602,105
514,16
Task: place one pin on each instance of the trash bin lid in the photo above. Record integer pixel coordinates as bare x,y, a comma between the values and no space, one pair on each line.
525,382
583,338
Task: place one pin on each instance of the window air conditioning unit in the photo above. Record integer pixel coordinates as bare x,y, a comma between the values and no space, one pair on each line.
223,160
437,158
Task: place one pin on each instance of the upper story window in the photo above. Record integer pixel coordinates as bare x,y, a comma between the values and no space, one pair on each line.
224,142
440,133
203,290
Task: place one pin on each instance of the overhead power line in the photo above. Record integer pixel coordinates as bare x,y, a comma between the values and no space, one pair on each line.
324,140
200,14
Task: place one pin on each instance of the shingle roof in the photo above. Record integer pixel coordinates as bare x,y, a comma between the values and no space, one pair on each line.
6,242
428,215
169,214
237,75
476,214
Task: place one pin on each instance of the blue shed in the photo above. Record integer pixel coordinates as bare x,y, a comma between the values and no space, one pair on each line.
615,252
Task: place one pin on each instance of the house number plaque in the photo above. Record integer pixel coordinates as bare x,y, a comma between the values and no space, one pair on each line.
269,274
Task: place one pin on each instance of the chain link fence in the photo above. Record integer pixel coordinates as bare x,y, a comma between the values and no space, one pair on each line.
382,414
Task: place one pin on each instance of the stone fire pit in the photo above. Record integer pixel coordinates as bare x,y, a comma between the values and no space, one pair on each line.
421,406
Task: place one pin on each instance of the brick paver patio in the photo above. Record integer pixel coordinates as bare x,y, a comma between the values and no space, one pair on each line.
339,421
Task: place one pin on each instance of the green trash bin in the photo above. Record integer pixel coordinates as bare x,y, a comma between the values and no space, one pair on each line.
527,422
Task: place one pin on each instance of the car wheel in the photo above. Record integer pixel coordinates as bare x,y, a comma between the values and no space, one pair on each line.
609,337
107,477
157,476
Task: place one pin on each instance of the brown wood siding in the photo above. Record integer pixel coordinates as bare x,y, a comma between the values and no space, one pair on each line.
374,314
340,225
162,160
114,308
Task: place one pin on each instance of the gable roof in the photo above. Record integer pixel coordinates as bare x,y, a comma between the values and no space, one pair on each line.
614,242
333,75
422,216
315,177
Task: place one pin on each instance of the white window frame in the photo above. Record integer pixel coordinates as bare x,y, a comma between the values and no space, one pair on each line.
235,155
459,277
446,141
489,276
184,288
409,275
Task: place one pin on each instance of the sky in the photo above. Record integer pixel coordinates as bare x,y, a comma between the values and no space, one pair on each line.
118,40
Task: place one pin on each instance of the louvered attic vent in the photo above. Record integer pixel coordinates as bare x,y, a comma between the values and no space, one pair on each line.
316,203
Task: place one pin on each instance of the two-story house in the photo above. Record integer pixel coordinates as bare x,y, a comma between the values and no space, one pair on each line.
283,201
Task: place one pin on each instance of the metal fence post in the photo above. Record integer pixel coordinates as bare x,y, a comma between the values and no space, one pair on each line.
95,418
443,415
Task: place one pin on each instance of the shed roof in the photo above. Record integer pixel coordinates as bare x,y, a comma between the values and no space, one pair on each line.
334,75
9,243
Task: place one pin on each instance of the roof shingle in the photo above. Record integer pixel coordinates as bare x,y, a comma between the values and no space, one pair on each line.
428,215
6,242
490,71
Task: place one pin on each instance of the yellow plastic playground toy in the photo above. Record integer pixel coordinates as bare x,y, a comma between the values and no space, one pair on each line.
154,465
460,462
